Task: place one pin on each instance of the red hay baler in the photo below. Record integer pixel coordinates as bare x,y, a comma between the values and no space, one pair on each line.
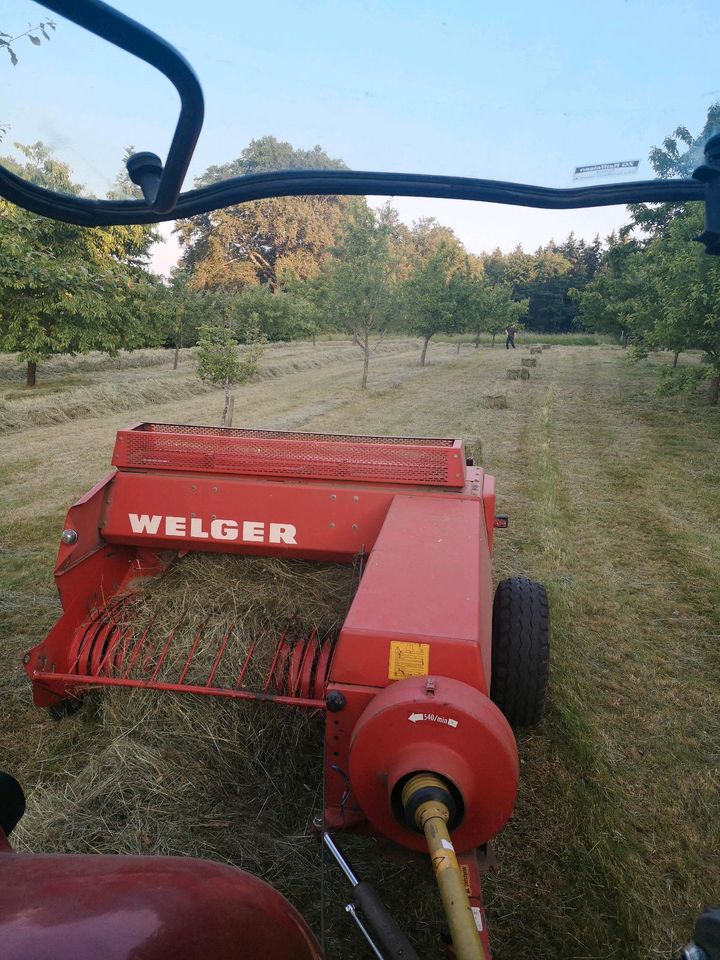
424,679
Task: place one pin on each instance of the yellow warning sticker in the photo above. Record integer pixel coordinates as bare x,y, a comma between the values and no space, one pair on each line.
408,660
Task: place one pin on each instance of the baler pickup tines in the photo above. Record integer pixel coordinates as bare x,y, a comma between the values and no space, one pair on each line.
108,650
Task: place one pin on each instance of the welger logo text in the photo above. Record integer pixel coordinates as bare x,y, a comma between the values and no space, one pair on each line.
195,528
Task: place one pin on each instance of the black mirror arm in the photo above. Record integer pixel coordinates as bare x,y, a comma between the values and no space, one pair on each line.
287,183
165,183
161,185
709,175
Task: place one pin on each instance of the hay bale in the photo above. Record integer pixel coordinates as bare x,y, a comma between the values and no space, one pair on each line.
144,772
497,401
529,361
536,350
518,373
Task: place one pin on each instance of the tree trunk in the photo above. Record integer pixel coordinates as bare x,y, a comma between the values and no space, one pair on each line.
493,339
226,405
459,344
424,351
477,339
624,338
177,355
366,362
314,340
713,390
31,374
230,411
675,358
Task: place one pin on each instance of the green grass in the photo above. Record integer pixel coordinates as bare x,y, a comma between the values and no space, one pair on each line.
614,503
530,337
44,389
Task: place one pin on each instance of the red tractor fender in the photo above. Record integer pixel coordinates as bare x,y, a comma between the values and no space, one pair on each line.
82,907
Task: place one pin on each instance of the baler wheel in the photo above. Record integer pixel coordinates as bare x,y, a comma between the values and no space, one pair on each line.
520,650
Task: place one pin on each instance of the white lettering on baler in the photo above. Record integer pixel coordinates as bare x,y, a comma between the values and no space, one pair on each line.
196,529
224,530
282,533
253,531
175,526
144,523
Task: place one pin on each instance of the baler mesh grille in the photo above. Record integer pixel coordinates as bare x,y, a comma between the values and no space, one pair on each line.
267,453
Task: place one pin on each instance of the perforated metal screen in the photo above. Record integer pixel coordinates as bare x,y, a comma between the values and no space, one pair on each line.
437,462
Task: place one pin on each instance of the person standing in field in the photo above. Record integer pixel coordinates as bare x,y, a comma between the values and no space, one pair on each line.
510,331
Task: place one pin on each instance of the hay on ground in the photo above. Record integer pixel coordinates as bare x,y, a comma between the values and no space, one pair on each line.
145,772
518,373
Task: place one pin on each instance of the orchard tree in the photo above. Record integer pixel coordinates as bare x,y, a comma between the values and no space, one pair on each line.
682,294
359,283
219,359
261,241
679,155
488,307
68,289
185,309
610,302
431,295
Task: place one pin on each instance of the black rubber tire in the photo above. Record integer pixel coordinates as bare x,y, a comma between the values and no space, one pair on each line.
520,650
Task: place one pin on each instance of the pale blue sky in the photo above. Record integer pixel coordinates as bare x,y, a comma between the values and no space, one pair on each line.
515,90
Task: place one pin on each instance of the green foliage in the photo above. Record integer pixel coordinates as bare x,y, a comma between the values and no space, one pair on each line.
219,359
68,289
7,40
681,380
549,280
660,290
264,241
671,160
359,283
432,294
488,307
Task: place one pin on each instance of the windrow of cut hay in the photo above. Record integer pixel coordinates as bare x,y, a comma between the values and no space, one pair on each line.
31,409
145,772
95,401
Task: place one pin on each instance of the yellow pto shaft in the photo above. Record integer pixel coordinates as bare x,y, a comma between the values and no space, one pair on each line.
431,816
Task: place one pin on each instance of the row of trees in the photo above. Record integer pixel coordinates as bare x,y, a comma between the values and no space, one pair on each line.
291,267
299,267
656,289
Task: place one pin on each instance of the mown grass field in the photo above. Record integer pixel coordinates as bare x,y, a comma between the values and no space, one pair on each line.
614,501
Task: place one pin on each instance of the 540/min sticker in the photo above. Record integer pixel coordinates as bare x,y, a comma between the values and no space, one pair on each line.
433,718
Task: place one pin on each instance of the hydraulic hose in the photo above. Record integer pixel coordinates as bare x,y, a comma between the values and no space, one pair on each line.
428,804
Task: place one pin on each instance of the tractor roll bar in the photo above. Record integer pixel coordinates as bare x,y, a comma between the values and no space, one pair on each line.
161,184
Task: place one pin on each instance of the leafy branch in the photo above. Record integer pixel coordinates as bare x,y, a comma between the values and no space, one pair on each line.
7,41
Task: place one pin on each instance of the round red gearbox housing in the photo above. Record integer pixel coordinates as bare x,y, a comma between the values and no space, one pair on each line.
442,726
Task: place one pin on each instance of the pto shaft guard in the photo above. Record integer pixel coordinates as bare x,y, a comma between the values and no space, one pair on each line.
446,727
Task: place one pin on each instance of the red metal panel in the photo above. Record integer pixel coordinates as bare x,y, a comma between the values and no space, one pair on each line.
233,514
447,727
427,581
435,462
70,907
488,495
